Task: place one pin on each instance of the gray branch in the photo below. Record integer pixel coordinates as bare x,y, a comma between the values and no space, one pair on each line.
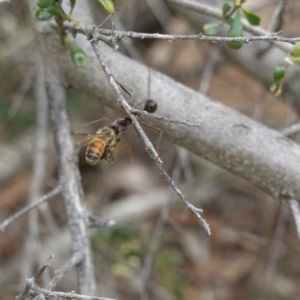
70,183
29,207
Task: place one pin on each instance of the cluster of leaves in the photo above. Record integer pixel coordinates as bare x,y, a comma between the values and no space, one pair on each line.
52,8
126,247
232,13
49,8
280,71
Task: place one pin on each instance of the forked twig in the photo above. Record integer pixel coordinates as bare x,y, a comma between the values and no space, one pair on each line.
149,147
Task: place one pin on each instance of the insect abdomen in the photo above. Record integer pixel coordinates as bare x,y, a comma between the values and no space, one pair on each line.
94,152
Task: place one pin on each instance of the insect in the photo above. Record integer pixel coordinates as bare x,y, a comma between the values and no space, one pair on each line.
102,144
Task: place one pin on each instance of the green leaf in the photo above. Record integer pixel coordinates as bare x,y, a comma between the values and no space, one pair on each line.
252,18
108,5
72,3
226,8
296,50
235,30
278,74
211,28
42,15
43,3
55,9
77,55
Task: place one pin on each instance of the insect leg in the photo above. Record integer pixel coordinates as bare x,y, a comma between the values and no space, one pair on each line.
157,143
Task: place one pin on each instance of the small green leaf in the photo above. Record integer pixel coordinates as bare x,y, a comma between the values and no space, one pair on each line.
108,5
252,18
72,3
43,3
226,8
278,74
211,28
42,15
296,50
55,9
77,55
235,30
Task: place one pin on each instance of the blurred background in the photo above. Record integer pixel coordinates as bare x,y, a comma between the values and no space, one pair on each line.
253,252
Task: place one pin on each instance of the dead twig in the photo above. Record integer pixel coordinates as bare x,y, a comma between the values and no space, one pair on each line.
149,147
32,205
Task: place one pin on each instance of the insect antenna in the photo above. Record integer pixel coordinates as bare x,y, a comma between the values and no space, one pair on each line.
96,121
121,86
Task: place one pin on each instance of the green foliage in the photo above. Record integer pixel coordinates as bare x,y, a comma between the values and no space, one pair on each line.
43,3
166,267
278,76
231,13
56,10
20,123
42,15
212,28
108,5
72,3
126,249
296,50
252,18
77,55
235,30
226,8
50,8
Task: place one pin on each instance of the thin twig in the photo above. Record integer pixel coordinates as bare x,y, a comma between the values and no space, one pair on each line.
294,204
39,169
209,68
70,183
59,274
272,263
277,17
115,36
27,208
161,12
215,13
154,244
292,130
99,222
163,118
24,293
149,147
62,295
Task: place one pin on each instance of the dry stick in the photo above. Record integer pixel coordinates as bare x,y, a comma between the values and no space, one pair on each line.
59,274
27,208
24,293
22,90
210,11
163,118
272,263
113,36
149,147
294,204
62,295
161,12
70,183
292,130
39,169
209,68
154,244
277,17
